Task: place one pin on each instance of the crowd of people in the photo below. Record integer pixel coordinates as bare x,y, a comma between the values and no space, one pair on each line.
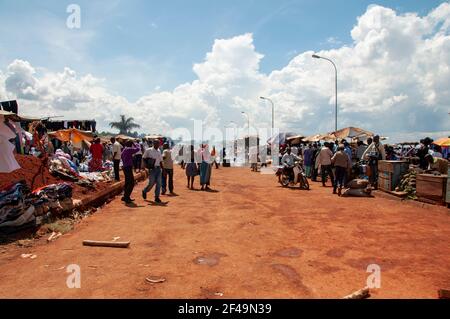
338,160
334,161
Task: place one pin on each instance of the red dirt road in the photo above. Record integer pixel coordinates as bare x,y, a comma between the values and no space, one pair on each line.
251,239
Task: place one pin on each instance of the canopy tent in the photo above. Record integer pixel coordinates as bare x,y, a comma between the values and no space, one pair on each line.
351,133
123,138
280,138
154,137
10,115
73,135
295,139
312,138
443,142
319,137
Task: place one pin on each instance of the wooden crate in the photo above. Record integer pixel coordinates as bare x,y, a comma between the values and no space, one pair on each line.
431,188
393,170
385,181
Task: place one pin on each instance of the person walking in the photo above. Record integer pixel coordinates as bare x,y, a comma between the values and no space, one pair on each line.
167,170
117,155
205,167
308,160
324,162
181,155
153,159
127,161
137,158
314,164
342,163
191,166
214,157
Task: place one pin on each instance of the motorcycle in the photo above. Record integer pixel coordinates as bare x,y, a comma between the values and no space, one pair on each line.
284,178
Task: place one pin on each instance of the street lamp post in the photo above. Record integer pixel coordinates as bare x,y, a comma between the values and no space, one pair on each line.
248,136
273,110
248,123
335,83
225,130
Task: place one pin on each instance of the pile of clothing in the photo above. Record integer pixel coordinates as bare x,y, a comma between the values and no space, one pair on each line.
57,196
15,210
20,208
105,176
62,166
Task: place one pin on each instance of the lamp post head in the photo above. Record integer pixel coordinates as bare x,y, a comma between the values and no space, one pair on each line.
262,97
316,56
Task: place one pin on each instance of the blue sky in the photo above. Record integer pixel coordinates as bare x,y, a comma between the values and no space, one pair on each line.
140,45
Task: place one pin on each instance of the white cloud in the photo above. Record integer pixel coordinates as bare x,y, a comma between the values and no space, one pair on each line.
393,77
333,41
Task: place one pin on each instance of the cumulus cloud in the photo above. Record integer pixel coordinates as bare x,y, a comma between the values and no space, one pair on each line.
393,77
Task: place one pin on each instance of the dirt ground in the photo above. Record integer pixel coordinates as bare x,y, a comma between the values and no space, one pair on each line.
249,239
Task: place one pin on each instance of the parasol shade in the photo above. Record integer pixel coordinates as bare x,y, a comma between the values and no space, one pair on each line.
445,141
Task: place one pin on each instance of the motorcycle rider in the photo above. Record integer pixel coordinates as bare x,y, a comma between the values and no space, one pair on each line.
288,161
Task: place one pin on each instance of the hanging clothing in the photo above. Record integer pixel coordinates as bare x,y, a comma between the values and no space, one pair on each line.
8,161
10,106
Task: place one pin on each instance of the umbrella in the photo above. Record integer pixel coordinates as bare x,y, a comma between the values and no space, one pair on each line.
445,141
280,138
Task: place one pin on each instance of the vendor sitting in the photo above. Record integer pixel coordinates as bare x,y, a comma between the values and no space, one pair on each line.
437,164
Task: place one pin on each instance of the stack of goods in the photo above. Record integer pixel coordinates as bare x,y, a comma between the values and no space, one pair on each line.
15,210
19,208
358,188
408,184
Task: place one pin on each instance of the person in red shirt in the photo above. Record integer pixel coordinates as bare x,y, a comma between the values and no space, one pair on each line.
96,149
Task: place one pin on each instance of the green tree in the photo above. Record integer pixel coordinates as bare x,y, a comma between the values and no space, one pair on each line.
125,125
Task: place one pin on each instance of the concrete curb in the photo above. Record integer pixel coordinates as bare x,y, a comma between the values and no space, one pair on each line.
409,202
115,189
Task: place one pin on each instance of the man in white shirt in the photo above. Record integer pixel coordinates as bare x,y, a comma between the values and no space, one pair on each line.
153,160
117,153
324,162
288,161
